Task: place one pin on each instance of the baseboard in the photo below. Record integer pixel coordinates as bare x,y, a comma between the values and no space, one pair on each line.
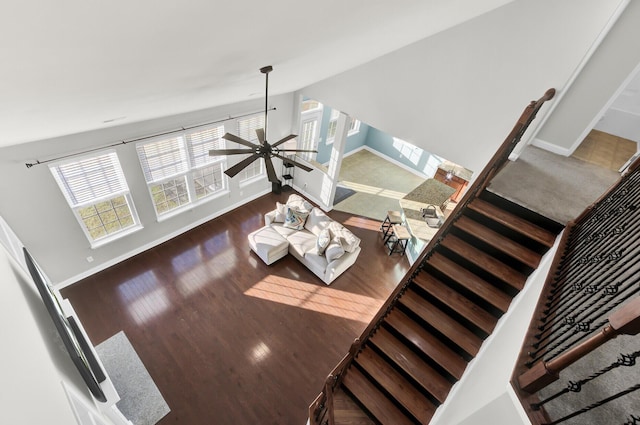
558,150
157,242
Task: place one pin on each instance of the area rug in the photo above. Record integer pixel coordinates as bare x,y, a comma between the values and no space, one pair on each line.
342,193
140,399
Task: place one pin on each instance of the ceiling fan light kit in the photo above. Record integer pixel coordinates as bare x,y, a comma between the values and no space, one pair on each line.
264,150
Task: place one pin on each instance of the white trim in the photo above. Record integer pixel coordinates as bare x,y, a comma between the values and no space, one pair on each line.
576,72
542,144
152,244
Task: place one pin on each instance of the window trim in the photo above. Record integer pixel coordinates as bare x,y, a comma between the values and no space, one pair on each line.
125,192
356,124
182,137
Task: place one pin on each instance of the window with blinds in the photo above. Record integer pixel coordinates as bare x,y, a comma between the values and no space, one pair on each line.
96,190
247,130
179,170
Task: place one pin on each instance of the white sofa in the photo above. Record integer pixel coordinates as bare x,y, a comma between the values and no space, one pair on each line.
308,241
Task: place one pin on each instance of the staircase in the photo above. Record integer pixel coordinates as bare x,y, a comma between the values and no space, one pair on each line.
418,345
407,366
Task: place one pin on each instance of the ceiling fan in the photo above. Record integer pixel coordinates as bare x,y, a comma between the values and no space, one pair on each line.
264,150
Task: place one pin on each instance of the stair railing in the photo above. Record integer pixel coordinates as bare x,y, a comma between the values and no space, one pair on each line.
590,297
321,410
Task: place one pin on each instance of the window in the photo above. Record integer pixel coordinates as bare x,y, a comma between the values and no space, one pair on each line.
354,126
247,130
179,169
97,192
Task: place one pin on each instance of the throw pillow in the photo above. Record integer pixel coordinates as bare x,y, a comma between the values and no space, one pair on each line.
348,240
298,203
323,241
295,219
334,250
317,221
281,213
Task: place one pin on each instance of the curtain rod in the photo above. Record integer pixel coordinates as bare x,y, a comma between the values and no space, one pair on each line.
124,142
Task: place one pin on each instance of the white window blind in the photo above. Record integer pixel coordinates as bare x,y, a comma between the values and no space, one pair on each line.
247,130
201,142
91,179
163,159
97,192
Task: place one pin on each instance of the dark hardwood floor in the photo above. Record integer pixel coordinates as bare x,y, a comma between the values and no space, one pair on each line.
228,339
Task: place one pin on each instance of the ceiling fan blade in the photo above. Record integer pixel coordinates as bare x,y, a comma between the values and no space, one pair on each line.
260,134
296,150
271,173
281,141
216,152
297,164
239,140
232,171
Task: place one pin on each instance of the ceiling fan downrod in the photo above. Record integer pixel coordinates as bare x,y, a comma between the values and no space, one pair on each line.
266,70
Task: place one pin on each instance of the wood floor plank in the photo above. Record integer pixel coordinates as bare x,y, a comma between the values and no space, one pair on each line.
226,338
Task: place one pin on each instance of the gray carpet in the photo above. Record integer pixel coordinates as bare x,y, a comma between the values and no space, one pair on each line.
553,185
342,193
141,401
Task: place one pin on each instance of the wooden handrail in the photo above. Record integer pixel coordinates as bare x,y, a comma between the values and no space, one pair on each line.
496,162
625,321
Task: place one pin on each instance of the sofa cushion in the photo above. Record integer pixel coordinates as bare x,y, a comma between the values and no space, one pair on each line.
323,241
316,263
317,221
281,213
347,239
295,219
302,242
298,203
284,231
334,250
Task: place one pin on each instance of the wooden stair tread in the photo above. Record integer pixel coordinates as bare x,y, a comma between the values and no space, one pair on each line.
441,321
498,241
347,412
513,222
412,364
457,302
481,259
472,282
396,385
373,400
427,343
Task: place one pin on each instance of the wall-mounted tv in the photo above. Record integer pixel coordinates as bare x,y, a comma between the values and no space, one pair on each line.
74,341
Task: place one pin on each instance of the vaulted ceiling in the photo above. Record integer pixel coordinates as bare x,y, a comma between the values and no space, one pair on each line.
75,65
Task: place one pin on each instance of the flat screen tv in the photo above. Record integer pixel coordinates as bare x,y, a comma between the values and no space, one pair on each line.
72,337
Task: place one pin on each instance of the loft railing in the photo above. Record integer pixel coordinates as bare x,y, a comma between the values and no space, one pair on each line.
321,410
589,298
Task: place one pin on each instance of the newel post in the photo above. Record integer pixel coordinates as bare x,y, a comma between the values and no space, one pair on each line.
625,321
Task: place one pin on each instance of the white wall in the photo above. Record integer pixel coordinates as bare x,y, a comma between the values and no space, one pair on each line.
458,93
620,123
36,210
610,66
34,361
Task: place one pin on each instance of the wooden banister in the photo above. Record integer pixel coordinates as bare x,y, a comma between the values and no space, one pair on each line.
625,321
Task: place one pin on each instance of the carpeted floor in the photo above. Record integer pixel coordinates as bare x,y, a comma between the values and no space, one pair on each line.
140,399
378,185
553,185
